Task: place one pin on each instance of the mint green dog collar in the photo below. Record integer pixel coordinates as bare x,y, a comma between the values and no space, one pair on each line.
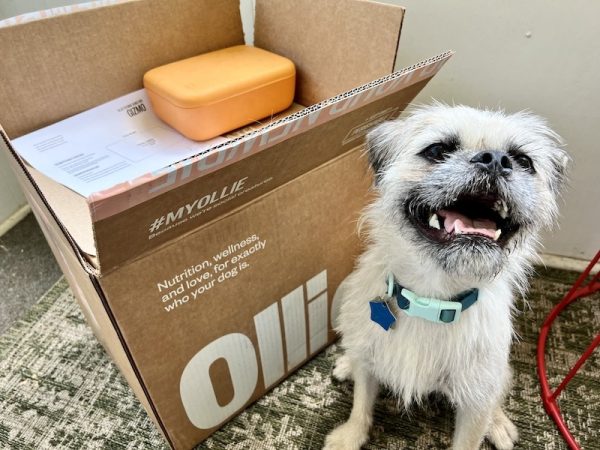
431,309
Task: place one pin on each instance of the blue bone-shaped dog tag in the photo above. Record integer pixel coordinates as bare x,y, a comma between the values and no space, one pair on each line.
381,313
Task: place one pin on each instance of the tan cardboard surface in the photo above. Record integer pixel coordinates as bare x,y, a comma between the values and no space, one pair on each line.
336,44
59,66
305,227
148,225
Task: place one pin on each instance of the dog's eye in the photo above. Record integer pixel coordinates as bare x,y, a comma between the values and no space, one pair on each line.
437,152
524,161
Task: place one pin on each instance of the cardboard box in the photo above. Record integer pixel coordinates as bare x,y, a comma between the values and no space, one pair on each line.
204,312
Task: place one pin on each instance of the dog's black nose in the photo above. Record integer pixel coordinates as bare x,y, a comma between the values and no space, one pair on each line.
493,162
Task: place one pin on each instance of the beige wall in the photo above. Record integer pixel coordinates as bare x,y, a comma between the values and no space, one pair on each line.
540,55
10,8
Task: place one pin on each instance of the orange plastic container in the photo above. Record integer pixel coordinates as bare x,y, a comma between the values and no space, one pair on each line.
211,94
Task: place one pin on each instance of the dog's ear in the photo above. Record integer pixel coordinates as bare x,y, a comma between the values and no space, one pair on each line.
559,158
378,147
561,162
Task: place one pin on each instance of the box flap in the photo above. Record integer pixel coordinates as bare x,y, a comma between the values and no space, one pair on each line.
71,209
104,53
336,45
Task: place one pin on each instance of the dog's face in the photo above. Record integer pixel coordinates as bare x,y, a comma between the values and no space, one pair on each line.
467,187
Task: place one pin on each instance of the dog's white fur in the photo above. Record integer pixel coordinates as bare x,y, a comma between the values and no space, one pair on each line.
468,361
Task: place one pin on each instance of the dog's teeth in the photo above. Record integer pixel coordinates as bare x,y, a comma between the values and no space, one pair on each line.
504,210
434,222
497,235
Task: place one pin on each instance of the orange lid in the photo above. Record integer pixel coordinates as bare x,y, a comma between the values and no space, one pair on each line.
215,76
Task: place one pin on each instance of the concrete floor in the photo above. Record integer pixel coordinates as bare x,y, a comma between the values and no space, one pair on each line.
27,270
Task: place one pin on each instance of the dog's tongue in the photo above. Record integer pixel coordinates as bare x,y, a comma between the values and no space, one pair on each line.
459,224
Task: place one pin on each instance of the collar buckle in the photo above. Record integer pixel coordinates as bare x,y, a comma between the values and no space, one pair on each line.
431,309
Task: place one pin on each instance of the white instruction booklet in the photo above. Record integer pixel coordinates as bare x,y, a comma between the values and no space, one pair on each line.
113,143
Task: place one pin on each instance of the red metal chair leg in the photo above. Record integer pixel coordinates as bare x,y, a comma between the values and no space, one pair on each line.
549,397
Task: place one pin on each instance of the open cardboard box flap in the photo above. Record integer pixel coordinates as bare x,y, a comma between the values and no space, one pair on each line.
105,51
336,45
80,60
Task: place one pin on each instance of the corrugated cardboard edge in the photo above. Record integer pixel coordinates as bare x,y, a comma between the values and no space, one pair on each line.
393,68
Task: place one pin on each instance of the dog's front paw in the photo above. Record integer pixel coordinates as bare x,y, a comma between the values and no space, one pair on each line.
347,436
503,433
343,368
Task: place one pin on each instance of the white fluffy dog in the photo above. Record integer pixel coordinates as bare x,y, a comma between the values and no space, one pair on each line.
461,197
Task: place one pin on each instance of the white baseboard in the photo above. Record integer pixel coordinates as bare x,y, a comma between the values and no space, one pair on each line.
566,263
14,219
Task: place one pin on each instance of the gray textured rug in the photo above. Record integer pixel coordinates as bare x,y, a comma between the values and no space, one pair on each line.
58,389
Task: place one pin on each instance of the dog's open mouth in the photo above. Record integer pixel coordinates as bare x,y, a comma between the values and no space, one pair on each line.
483,217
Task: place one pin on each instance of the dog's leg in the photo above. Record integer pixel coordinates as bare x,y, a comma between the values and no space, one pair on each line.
502,432
355,432
470,428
